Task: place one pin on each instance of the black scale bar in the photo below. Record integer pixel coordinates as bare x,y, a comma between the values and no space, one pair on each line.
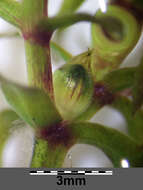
68,172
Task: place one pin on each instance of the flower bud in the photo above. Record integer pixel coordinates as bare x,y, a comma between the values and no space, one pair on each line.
73,89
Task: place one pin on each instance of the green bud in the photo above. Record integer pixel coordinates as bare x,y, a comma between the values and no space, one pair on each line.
73,89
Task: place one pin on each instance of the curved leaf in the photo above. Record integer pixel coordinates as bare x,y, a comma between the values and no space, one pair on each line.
116,145
32,105
116,36
120,79
6,123
53,23
134,121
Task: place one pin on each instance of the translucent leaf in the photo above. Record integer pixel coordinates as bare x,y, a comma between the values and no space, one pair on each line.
7,117
116,145
32,105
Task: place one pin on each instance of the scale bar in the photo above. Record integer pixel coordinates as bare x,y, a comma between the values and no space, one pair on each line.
68,172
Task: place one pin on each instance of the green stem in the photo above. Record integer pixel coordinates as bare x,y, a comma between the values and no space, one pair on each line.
54,23
45,156
39,67
37,50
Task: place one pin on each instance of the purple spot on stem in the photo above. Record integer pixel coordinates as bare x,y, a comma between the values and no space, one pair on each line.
57,134
102,94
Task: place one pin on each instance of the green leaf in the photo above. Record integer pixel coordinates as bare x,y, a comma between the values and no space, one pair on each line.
134,122
32,105
53,23
138,87
120,79
116,145
11,12
70,6
6,123
116,36
46,157
61,51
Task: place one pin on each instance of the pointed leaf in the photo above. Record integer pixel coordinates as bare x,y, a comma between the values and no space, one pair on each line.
134,122
6,123
138,87
11,11
116,145
32,105
69,6
62,52
120,79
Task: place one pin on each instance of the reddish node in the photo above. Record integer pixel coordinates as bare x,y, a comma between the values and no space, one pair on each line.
102,94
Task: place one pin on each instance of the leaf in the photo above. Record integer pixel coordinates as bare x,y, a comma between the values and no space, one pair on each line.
32,105
70,6
116,35
134,122
53,23
46,157
138,87
11,12
116,145
120,79
6,123
62,52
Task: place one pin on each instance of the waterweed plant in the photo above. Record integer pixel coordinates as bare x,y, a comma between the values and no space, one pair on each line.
59,106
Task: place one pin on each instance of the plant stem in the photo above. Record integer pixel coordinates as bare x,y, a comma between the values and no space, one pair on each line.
37,45
39,67
45,7
45,156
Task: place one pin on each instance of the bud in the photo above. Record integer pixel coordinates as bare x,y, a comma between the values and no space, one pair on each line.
73,89
96,66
